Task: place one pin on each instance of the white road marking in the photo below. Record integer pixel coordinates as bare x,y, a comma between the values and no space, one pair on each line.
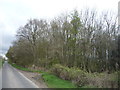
25,77
28,79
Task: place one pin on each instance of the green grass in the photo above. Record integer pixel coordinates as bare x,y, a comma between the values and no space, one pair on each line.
52,81
55,82
0,63
24,69
21,68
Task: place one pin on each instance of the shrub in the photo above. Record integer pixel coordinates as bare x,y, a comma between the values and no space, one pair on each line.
75,75
82,78
102,80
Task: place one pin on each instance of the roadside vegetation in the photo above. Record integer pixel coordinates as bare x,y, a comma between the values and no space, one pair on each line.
84,79
79,79
82,47
51,80
0,63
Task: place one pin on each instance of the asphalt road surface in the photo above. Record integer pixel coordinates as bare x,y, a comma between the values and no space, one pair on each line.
0,78
12,78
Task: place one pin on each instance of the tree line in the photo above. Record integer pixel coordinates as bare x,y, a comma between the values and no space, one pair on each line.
86,39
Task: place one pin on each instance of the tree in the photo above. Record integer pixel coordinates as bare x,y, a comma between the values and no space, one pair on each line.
86,40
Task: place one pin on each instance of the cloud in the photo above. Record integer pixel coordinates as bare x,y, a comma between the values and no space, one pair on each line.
15,13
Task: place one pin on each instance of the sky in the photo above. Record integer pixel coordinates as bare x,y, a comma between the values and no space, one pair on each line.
15,13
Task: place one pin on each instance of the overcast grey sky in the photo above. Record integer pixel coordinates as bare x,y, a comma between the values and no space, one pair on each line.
15,13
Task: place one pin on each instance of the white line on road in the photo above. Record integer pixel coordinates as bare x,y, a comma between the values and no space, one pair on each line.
28,79
25,77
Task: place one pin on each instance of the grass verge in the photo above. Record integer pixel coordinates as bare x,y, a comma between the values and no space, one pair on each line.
52,81
0,63
21,68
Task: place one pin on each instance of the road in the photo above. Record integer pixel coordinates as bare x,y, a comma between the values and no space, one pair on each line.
0,78
12,78
0,74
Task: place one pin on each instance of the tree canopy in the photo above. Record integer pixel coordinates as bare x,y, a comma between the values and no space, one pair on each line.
85,40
